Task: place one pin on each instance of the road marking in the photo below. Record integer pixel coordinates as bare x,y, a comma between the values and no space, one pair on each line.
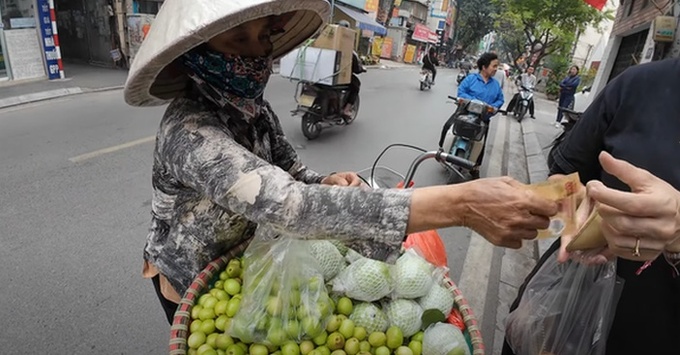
474,280
96,153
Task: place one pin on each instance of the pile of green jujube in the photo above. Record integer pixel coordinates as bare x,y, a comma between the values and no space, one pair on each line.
339,324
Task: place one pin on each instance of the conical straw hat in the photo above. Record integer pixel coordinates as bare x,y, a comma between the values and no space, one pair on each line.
184,24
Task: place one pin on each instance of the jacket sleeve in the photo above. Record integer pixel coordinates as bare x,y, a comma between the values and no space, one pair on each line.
465,88
285,157
500,99
207,159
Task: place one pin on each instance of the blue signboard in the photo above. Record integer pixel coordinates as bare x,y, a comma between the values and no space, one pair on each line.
51,55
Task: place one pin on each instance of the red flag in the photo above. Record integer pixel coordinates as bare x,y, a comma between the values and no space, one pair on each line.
598,4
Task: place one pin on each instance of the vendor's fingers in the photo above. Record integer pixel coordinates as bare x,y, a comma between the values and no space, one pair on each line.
534,222
538,205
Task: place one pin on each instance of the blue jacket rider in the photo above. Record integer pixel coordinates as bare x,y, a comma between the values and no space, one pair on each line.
482,86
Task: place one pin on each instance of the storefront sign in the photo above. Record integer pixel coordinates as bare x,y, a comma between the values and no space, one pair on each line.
423,34
138,27
376,48
387,48
48,43
371,5
664,28
23,50
22,22
410,53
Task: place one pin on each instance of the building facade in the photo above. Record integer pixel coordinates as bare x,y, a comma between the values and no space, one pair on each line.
634,38
39,38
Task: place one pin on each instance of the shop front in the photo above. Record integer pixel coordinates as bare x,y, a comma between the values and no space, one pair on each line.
419,42
366,26
28,49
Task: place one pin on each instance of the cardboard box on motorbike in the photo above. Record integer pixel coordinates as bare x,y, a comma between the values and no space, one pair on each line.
327,60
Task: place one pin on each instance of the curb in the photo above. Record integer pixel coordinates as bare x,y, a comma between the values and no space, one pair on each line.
51,94
537,167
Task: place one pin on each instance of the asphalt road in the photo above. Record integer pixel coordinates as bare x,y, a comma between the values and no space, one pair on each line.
76,190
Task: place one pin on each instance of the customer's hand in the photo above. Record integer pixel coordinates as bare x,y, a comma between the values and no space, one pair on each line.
505,212
582,213
648,216
342,179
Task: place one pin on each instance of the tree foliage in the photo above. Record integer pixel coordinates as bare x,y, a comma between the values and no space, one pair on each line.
476,19
544,26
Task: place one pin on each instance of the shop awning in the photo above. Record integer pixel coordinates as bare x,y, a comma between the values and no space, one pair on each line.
364,22
422,33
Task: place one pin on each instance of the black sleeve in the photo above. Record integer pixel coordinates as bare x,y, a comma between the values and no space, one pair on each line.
579,150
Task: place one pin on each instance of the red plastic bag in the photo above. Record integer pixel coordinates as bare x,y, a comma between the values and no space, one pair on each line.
456,319
430,245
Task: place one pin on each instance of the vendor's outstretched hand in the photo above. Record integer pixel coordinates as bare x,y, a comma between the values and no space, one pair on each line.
505,212
342,179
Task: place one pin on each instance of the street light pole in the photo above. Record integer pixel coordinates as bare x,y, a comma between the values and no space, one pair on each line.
332,11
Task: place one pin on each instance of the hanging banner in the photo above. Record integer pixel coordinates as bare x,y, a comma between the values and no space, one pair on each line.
48,43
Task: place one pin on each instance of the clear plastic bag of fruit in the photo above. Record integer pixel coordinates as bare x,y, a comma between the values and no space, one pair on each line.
284,296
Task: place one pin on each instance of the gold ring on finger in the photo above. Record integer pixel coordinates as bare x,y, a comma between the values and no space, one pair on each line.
636,250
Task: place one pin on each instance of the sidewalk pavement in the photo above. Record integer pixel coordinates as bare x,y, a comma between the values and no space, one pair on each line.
80,78
522,155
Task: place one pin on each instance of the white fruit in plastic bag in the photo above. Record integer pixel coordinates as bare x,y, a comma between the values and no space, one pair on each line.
444,339
405,314
365,280
438,298
329,257
369,316
412,275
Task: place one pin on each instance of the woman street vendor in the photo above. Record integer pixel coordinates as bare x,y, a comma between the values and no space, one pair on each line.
222,164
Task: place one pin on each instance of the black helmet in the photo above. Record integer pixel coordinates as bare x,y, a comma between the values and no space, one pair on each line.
344,23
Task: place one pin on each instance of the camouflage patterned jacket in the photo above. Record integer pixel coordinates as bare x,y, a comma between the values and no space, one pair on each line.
217,174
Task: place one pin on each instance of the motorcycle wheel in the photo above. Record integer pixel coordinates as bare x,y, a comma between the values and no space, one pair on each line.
355,109
311,128
522,113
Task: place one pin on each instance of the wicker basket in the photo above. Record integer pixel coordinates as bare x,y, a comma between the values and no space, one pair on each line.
179,332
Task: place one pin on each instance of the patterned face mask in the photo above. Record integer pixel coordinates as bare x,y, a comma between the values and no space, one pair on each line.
229,79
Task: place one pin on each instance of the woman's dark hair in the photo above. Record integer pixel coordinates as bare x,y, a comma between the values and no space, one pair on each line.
432,50
577,68
485,60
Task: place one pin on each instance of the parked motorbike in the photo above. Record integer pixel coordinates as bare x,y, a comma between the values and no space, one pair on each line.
463,135
569,118
378,176
425,79
321,107
462,75
524,100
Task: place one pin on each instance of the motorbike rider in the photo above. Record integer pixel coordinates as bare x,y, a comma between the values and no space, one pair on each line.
355,84
430,62
482,86
527,79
